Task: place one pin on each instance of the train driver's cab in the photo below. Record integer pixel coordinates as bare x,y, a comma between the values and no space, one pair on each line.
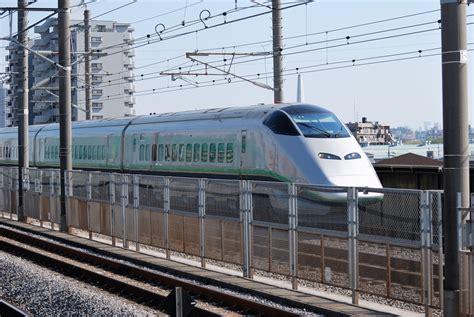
308,120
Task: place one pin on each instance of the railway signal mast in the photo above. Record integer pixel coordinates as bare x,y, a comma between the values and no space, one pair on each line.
22,103
65,130
277,52
455,139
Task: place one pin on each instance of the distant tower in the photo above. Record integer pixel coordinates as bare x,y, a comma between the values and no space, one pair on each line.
299,90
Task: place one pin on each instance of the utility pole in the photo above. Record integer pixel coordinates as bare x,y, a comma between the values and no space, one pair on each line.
277,52
65,139
455,139
22,103
87,64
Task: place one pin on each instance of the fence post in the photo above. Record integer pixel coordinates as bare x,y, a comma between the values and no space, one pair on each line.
124,202
439,205
202,215
426,265
2,191
245,208
39,190
89,197
112,206
136,204
27,195
292,226
52,198
14,173
166,214
471,260
353,232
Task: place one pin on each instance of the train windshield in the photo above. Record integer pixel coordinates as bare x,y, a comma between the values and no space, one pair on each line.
316,122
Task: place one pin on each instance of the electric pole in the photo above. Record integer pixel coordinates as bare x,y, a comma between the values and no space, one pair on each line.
455,139
65,140
87,64
277,52
22,103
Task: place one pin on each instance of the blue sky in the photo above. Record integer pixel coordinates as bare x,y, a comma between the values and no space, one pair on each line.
405,92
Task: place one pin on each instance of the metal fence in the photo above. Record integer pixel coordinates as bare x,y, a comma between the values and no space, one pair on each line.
384,242
465,221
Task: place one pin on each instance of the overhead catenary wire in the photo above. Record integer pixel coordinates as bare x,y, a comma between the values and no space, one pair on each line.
141,76
396,57
174,36
167,13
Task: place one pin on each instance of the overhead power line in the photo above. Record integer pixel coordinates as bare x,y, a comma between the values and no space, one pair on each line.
336,65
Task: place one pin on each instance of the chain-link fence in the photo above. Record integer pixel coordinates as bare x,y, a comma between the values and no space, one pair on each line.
384,242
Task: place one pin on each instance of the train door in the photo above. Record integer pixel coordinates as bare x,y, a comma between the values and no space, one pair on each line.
243,153
154,149
40,152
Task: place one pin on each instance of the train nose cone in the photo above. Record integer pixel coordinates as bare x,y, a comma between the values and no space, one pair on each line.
355,181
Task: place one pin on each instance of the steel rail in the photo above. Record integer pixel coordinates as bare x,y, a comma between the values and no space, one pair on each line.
233,302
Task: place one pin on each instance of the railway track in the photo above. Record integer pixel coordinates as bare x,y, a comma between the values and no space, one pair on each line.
143,286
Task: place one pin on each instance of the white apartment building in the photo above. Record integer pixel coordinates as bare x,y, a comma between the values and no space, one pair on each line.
111,72
3,105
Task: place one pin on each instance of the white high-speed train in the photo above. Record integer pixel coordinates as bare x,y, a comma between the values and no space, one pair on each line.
288,142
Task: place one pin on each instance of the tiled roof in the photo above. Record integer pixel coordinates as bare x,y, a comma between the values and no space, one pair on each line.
410,159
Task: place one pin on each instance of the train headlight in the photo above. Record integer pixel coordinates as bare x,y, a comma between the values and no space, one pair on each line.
352,156
328,156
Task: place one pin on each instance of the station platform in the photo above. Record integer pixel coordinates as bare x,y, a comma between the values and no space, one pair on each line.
285,296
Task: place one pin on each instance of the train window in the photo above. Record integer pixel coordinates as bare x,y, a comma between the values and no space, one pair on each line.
99,153
189,152
279,123
197,149
230,153
80,152
174,152
104,152
316,122
160,152
153,153
89,152
94,153
56,152
167,152
220,152
181,152
212,152
141,153
204,152
147,152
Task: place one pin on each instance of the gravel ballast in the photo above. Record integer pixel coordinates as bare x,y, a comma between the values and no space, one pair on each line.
42,292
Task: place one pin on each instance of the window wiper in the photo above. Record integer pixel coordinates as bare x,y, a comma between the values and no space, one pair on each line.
338,133
324,132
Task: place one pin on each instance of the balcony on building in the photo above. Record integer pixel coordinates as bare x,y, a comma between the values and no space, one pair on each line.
129,65
96,66
41,42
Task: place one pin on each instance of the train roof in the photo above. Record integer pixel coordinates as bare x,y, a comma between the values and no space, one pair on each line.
248,112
